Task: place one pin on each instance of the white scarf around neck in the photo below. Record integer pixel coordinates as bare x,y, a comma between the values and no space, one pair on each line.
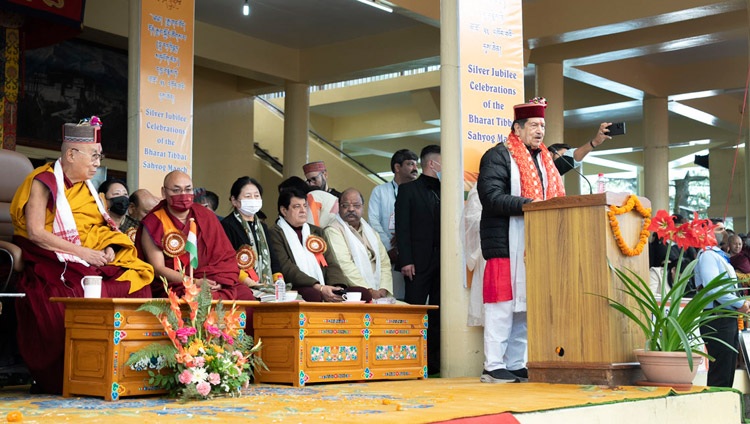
359,252
304,259
64,225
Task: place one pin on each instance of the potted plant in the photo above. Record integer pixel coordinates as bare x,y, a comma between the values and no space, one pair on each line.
671,330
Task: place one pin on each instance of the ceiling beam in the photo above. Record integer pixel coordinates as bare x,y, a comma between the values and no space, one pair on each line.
551,22
630,40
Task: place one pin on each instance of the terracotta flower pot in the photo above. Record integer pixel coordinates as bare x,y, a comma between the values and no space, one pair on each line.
667,367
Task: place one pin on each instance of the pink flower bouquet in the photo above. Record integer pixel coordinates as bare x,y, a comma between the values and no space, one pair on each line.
210,353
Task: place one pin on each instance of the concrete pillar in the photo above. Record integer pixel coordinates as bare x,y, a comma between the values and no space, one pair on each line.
296,125
746,181
549,84
746,186
461,350
656,152
134,52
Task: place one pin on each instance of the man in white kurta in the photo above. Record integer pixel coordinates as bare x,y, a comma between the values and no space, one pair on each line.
358,249
382,206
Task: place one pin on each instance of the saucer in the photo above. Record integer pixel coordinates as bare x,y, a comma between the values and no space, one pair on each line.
354,301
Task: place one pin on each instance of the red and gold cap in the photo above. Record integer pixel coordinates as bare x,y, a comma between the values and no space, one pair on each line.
533,109
318,166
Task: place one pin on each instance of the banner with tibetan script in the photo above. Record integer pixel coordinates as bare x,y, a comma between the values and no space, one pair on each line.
165,110
491,77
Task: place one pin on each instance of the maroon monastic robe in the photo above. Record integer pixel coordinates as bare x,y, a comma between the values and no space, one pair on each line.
216,257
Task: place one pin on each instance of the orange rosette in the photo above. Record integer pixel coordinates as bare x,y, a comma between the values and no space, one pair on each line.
173,243
246,258
131,233
318,247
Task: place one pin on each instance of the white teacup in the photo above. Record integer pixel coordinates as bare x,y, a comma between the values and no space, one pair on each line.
290,295
92,286
352,297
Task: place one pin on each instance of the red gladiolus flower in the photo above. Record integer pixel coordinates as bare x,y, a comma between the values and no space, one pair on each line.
662,224
682,236
698,233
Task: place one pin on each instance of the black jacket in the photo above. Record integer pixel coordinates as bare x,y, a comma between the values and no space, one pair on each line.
418,222
498,205
237,236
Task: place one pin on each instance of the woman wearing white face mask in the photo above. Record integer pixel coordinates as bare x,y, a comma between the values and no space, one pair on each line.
248,236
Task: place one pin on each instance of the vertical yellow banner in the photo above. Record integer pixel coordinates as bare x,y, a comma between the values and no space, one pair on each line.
166,90
491,78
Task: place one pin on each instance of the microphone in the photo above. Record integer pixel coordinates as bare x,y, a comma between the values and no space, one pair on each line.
569,162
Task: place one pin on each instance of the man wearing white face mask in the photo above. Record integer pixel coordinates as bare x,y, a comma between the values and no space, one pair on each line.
248,235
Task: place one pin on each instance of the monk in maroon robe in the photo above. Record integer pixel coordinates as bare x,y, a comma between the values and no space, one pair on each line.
162,237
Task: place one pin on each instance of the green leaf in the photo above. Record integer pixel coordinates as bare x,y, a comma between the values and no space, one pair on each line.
670,328
154,350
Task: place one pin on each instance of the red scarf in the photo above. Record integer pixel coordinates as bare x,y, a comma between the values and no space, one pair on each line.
531,185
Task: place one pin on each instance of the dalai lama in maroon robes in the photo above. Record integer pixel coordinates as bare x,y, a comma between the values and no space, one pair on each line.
65,233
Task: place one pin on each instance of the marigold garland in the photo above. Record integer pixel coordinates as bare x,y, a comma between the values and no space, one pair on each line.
632,203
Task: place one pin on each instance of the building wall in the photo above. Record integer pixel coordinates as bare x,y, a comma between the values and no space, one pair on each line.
223,134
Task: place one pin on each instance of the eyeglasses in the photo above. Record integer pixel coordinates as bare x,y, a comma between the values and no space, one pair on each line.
309,180
94,156
350,205
179,190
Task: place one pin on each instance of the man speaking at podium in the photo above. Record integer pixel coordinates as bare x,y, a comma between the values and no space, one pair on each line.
511,174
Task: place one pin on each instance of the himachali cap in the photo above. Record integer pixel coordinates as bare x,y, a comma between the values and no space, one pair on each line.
318,166
88,130
533,109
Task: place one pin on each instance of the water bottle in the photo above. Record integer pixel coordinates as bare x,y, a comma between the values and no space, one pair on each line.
601,184
279,286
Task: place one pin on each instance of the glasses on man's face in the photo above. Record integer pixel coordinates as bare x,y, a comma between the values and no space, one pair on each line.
94,156
315,178
180,190
351,206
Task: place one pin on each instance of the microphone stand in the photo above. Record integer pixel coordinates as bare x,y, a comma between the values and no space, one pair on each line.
570,162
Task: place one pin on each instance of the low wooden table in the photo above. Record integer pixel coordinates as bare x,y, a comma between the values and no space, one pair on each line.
100,336
305,342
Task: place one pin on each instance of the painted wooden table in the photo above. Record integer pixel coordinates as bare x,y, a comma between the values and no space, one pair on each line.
100,336
305,342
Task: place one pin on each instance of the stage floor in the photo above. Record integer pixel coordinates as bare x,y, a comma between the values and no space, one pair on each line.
410,401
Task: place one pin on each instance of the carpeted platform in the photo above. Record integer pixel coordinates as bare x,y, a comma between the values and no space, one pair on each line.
412,401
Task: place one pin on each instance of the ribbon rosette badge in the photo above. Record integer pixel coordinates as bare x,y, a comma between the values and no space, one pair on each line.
318,247
131,233
245,257
174,243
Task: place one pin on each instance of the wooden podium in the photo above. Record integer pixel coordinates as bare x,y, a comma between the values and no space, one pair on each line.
575,336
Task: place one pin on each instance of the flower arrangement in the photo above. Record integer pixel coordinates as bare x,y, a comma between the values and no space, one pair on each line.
210,353
675,329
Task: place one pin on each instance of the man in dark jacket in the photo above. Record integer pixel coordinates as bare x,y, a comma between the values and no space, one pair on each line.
418,239
303,254
510,175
